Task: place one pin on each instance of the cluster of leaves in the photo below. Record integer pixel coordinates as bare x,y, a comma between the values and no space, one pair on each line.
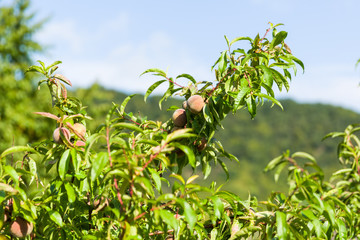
125,181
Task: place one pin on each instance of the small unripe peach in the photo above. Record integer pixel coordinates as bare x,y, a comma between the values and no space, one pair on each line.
80,128
195,104
184,105
21,228
179,117
57,135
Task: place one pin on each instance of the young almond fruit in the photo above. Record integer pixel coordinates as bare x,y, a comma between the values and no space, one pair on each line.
179,117
195,104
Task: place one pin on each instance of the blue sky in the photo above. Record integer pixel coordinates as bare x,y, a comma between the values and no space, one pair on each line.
113,42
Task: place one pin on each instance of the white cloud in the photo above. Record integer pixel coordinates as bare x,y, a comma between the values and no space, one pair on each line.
122,66
63,35
334,84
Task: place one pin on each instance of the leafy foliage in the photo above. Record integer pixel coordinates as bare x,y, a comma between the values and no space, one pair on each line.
109,183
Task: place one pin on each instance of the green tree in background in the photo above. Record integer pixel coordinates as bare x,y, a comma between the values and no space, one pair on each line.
18,98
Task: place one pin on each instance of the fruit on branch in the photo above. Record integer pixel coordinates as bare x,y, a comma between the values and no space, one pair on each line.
80,129
21,228
202,145
179,117
195,104
57,135
184,104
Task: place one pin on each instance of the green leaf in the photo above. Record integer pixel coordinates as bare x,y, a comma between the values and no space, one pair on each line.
70,192
156,178
129,126
304,155
279,38
152,88
178,177
145,184
98,164
169,219
188,76
63,78
251,106
53,64
16,149
222,62
207,114
342,229
7,188
240,96
268,77
280,80
64,164
35,69
262,95
188,151
179,134
282,226
298,61
12,173
240,39
124,103
157,72
279,169
190,214
218,206
56,217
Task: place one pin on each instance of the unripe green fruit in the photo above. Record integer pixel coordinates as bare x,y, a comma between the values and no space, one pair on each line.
80,128
57,135
179,117
195,104
21,228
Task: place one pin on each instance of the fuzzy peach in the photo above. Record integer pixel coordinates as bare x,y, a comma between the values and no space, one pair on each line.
179,117
21,228
80,129
57,134
195,104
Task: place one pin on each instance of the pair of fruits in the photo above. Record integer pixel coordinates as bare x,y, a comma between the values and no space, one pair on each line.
195,104
62,131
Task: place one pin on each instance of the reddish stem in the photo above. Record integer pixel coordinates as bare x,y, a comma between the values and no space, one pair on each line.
108,145
174,82
118,192
218,84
